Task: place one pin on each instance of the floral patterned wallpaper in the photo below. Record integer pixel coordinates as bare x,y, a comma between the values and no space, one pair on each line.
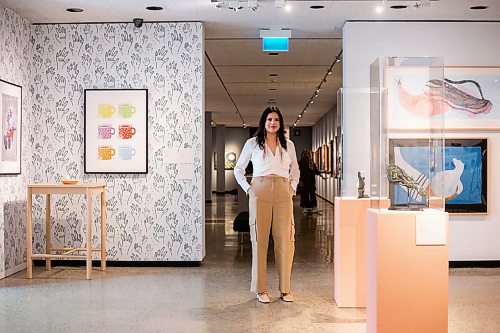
153,217
15,56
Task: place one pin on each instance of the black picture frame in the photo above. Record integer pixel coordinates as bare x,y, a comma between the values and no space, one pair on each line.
473,153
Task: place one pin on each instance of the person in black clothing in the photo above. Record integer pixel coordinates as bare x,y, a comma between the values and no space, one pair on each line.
307,182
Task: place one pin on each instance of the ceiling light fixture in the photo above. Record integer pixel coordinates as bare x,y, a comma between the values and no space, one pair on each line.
279,3
478,7
399,7
74,10
380,7
422,3
154,8
318,89
252,4
234,5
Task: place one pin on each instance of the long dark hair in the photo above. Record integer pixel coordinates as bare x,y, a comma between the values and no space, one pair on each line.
261,131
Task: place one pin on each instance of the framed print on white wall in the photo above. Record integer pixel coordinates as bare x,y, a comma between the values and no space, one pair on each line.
471,98
10,127
116,131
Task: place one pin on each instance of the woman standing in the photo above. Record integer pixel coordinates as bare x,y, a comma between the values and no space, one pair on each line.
274,182
308,173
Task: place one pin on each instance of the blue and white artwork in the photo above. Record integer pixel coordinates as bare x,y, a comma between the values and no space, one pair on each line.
462,183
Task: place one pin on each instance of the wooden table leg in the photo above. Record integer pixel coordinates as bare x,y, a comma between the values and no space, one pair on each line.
29,235
89,233
103,230
48,242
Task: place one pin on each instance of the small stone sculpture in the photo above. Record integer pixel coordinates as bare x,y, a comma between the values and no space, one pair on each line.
361,186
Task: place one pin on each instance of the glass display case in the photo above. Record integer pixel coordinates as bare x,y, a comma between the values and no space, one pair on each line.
355,163
407,133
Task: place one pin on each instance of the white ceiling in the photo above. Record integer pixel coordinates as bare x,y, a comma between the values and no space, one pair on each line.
234,48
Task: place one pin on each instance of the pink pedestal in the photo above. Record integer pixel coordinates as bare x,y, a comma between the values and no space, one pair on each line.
350,250
407,288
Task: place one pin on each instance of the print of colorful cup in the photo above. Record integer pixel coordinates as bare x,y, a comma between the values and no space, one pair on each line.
106,152
105,131
126,152
106,110
126,131
126,110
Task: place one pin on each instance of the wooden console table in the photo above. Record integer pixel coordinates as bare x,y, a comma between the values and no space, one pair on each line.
88,189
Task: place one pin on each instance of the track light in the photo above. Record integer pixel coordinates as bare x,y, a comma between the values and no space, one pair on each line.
252,4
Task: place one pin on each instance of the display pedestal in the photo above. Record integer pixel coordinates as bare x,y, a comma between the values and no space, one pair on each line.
350,250
407,288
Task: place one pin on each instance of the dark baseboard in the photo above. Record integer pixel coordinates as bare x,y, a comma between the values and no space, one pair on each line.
475,264
97,263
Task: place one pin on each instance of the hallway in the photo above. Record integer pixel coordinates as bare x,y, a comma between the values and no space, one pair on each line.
215,297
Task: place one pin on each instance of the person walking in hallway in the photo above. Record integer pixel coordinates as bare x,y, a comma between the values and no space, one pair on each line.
307,184
275,178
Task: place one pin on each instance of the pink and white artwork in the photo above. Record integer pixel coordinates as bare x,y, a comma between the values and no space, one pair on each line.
462,98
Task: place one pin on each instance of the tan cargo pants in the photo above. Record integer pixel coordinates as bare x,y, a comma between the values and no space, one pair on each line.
271,204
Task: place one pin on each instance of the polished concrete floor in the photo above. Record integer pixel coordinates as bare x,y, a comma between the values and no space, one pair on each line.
215,297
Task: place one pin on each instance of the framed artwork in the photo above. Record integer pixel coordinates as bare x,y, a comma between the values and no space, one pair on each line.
319,157
116,131
326,158
338,155
465,178
471,98
316,158
10,126
230,161
333,167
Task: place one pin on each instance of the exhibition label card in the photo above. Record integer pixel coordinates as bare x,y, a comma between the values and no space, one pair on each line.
430,229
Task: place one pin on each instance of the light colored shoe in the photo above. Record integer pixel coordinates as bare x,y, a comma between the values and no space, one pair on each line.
286,297
263,298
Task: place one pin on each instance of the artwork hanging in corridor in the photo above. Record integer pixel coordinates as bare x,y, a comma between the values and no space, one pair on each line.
10,127
116,132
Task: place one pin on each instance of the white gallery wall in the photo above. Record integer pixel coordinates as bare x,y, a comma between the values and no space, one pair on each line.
472,237
151,217
15,67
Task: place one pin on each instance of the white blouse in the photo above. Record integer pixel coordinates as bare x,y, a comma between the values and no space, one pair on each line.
283,163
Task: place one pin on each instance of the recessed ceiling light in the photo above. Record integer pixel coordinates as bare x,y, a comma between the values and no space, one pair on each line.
273,53
399,6
317,7
154,8
273,74
74,10
479,7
